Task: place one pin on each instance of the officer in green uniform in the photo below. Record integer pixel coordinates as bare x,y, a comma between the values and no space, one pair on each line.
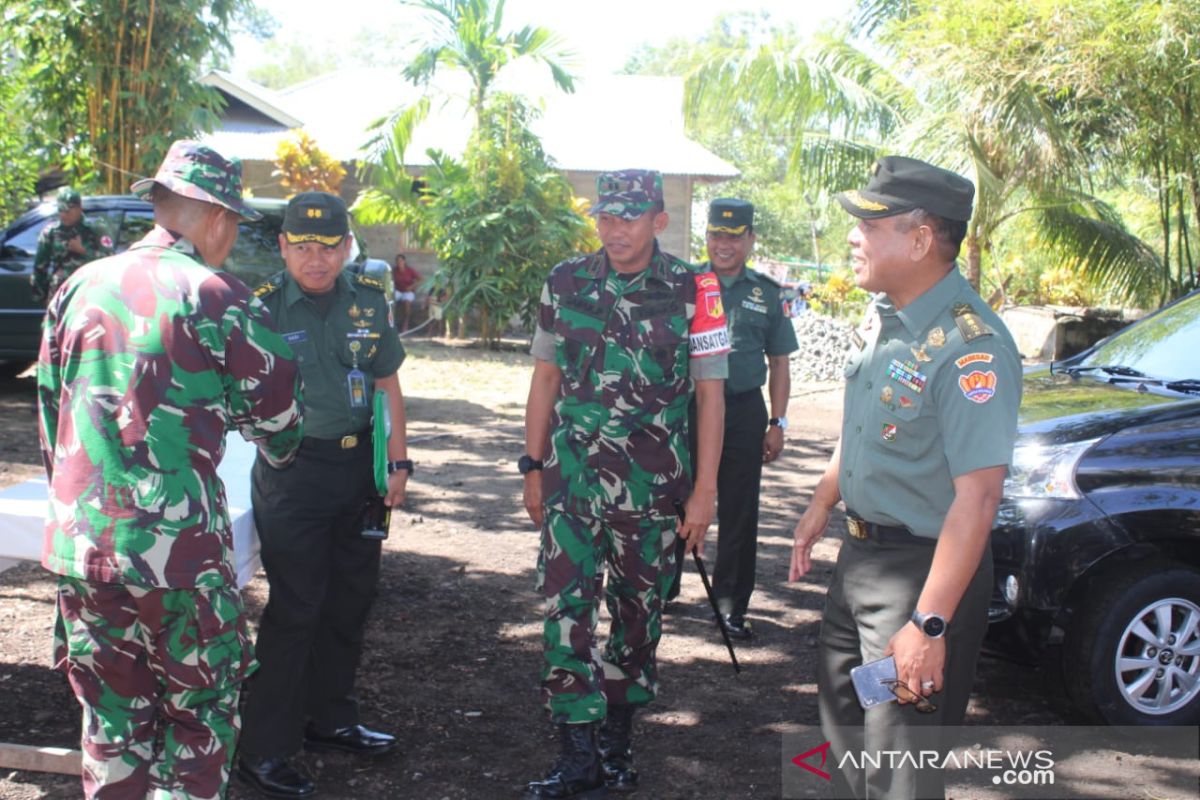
932,389
757,328
321,567
65,246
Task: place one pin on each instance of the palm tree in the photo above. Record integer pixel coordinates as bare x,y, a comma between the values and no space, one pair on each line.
846,108
466,35
482,274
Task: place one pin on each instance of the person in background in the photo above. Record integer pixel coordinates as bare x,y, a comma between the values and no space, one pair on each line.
762,339
405,280
65,245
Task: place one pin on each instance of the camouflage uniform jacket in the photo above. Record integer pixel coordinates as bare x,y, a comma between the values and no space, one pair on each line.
53,261
147,359
627,347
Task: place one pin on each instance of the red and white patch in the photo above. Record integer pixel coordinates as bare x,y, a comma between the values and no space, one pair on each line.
973,358
709,333
978,387
106,241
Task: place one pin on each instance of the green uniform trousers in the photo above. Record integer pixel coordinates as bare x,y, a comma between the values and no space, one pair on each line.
578,684
158,672
872,594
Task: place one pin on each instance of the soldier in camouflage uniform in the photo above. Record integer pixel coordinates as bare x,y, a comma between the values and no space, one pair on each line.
147,358
65,246
623,334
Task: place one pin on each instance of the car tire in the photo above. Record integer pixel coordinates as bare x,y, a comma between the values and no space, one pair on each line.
1134,658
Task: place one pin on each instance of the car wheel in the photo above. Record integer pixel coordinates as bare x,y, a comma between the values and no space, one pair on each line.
1136,657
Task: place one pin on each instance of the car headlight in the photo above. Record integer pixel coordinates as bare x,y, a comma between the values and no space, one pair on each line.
1046,470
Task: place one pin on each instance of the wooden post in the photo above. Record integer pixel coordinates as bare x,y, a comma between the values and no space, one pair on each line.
41,759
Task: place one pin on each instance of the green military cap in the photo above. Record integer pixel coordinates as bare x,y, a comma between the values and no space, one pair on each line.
728,215
627,193
196,171
68,198
900,184
316,217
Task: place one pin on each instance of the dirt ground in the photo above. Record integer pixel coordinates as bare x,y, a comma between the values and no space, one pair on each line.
453,650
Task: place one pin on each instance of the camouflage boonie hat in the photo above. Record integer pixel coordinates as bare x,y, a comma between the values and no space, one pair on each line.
194,170
68,198
628,193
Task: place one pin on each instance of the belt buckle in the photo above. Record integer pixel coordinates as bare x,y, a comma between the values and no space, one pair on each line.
857,527
350,442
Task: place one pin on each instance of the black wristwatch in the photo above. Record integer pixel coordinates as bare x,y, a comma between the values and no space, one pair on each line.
396,466
527,464
932,625
780,421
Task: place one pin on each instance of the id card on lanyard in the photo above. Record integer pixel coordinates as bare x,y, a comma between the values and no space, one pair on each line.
356,385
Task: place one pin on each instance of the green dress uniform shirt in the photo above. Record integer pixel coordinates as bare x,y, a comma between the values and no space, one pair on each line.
757,326
932,392
356,332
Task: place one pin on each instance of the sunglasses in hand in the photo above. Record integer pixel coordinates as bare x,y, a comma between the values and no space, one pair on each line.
906,695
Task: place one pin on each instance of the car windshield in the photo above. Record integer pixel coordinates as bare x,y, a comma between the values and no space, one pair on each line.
1165,346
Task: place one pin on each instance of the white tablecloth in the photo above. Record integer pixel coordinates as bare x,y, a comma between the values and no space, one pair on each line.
23,513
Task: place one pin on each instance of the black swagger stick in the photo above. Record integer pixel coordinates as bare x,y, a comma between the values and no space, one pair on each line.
711,599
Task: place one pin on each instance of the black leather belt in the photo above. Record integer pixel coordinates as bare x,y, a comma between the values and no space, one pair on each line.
350,441
862,530
749,394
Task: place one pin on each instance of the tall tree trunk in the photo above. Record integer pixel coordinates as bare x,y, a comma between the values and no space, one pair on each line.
974,261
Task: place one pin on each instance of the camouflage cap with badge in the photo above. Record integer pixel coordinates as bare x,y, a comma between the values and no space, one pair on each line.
900,184
316,217
68,198
627,193
196,171
731,216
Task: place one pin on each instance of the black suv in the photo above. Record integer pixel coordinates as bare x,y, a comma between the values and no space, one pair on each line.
1097,542
125,219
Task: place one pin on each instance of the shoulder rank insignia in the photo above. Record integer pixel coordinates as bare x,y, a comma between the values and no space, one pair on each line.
265,289
969,324
365,280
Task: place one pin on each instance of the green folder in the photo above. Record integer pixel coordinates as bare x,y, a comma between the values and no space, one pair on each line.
379,439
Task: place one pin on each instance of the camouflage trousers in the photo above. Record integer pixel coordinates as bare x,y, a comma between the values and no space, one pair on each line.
157,672
578,683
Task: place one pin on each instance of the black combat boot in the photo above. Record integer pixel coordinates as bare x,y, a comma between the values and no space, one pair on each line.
576,774
616,748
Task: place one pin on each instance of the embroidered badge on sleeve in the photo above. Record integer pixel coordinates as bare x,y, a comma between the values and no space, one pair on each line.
709,334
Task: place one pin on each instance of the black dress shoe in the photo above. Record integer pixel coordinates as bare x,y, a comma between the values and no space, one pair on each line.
274,777
739,627
357,739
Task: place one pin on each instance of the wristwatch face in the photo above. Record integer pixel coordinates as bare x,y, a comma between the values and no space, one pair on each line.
934,626
527,463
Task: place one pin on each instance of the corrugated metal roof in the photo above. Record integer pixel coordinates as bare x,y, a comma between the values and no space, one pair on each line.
609,122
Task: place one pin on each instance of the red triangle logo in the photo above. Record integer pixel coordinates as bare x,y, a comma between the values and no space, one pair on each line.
802,759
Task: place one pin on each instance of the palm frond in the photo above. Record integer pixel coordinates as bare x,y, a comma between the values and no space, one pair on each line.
1089,237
